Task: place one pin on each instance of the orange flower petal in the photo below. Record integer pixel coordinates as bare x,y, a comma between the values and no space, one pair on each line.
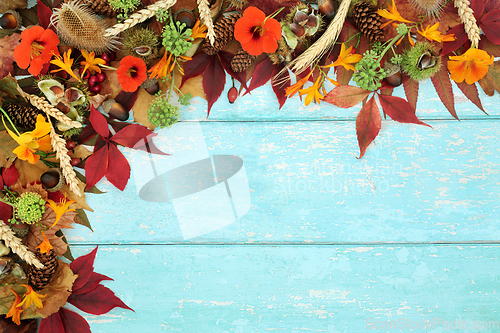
254,13
269,43
273,27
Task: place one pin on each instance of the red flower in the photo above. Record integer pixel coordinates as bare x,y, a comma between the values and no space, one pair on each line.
36,48
131,73
256,32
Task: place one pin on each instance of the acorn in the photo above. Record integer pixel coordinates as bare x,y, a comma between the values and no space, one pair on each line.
328,8
11,20
153,89
115,110
395,79
52,180
297,29
300,17
232,94
185,16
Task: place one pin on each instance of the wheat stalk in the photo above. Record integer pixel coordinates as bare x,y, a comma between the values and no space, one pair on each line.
206,16
50,110
140,16
467,17
326,41
14,243
59,146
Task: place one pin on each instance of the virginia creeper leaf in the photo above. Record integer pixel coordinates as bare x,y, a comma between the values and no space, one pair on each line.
52,324
44,14
214,79
442,83
280,80
133,134
96,166
346,96
490,25
477,7
470,91
87,134
73,322
127,99
196,66
411,91
84,267
461,38
263,73
99,122
97,301
92,283
368,123
118,172
399,110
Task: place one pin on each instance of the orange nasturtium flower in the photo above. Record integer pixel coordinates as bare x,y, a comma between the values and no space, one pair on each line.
91,62
432,34
14,311
45,245
131,73
391,15
30,142
345,58
198,31
31,297
312,92
471,66
60,209
64,63
36,49
256,32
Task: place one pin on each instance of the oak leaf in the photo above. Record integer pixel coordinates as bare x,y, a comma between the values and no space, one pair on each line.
35,237
7,145
491,80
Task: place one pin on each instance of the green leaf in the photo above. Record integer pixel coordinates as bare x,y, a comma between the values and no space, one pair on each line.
93,189
68,254
81,218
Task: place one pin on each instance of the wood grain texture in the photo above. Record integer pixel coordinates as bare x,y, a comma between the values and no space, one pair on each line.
297,288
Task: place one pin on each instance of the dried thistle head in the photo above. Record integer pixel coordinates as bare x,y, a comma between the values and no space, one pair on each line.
431,8
77,25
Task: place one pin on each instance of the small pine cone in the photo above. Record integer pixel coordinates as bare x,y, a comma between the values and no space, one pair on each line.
224,33
23,116
101,7
241,61
39,278
368,21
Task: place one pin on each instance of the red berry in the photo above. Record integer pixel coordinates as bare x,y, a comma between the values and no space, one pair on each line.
70,144
75,161
105,57
93,81
232,94
112,56
86,75
95,89
101,77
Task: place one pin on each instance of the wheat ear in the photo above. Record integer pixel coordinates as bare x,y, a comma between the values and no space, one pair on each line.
326,41
206,16
467,17
50,110
140,16
14,243
59,146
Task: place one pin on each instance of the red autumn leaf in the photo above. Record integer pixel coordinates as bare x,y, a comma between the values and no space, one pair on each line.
280,80
214,79
411,91
346,96
87,134
490,24
195,66
92,283
44,14
118,172
263,73
133,134
99,122
97,301
73,322
461,38
84,267
399,110
477,7
225,60
368,123
442,83
127,99
271,6
141,143
96,166
10,175
52,324
470,91
5,212
490,5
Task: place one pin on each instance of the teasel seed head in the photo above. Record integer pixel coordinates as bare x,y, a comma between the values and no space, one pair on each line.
431,8
77,25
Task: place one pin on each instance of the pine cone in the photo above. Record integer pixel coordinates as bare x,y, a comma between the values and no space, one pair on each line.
224,33
101,7
241,61
368,21
23,116
40,277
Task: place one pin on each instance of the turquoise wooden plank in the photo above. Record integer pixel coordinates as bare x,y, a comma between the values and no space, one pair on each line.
299,288
262,104
305,184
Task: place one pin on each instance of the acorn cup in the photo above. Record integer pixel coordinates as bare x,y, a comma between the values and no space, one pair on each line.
52,180
11,20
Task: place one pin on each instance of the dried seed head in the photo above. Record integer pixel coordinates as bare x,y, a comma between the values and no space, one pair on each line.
77,25
431,8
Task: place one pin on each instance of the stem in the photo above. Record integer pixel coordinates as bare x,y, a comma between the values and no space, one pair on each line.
393,41
7,203
275,13
172,85
10,121
108,67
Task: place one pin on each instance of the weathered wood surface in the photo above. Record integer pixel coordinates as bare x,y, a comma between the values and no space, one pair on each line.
304,288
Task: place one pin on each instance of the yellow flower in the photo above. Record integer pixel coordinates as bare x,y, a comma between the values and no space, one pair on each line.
471,66
432,34
91,62
31,297
198,31
14,312
293,89
391,15
345,58
65,64
312,92
45,245
30,142
60,208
